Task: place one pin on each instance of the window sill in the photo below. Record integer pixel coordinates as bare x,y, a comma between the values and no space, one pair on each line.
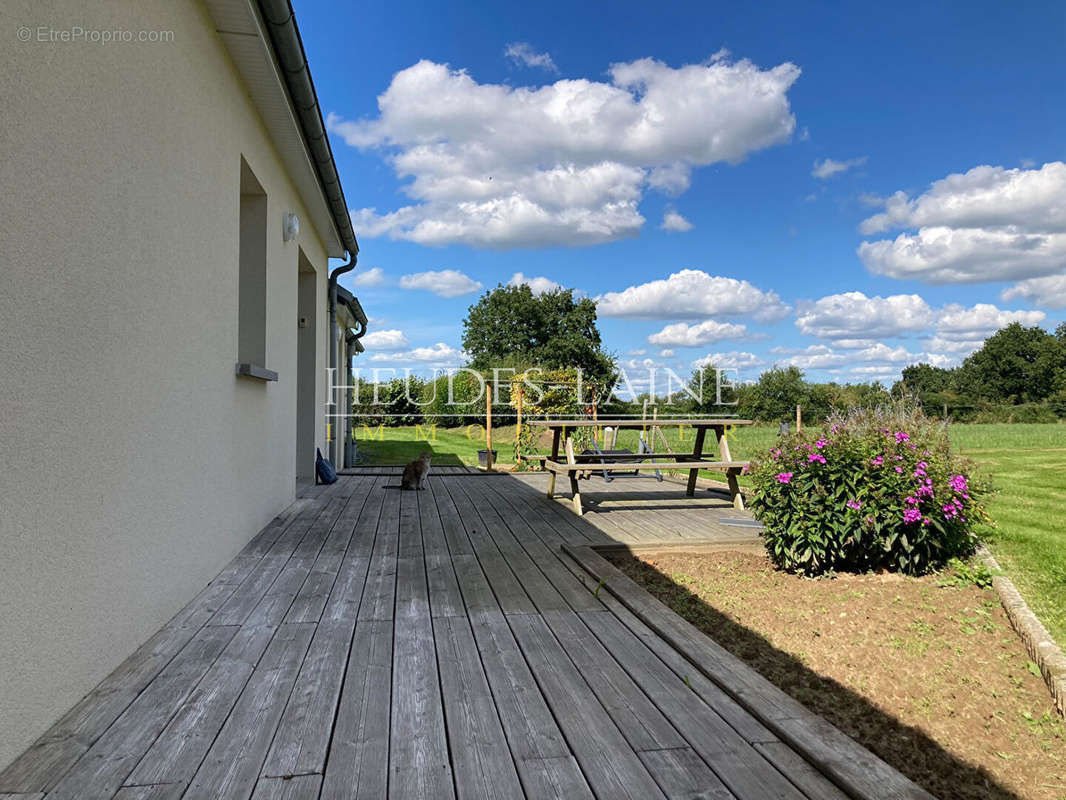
256,372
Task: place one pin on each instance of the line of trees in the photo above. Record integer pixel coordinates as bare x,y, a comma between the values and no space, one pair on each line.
1018,375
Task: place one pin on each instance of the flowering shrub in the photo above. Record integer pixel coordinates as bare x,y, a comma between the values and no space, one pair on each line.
876,489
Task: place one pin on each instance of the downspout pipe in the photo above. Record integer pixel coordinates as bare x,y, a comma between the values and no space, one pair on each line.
335,355
280,24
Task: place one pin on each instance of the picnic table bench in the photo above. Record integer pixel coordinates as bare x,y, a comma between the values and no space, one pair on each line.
574,465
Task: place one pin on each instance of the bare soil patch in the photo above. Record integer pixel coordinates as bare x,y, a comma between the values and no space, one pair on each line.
925,672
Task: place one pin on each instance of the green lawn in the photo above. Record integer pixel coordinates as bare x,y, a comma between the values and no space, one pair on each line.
1027,464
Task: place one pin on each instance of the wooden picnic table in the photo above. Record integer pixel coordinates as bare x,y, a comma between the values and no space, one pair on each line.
574,464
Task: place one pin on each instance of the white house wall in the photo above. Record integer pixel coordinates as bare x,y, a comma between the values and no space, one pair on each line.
134,462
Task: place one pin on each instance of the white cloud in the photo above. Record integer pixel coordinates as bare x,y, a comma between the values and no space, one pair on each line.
955,347
385,340
1049,291
681,334
375,276
853,315
987,224
823,357
562,164
538,285
957,323
671,179
734,359
439,354
828,167
524,54
947,255
675,223
692,294
640,351
667,353
444,282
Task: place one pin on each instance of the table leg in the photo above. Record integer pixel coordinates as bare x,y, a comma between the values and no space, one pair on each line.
697,454
555,457
730,474
574,487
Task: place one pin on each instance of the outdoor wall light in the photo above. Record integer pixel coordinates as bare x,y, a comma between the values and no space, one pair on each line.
290,228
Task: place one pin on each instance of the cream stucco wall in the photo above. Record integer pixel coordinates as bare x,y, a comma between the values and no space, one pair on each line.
133,462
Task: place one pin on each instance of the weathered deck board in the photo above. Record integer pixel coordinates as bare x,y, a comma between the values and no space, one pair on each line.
372,642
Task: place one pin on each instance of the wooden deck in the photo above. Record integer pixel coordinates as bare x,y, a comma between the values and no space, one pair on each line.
465,641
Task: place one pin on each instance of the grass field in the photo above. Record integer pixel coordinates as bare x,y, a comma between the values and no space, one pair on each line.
1027,464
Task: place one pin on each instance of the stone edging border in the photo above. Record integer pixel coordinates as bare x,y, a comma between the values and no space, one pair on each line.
1038,642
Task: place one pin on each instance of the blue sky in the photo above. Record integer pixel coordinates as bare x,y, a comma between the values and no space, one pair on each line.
748,152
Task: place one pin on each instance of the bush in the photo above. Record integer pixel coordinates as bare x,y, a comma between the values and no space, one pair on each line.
875,489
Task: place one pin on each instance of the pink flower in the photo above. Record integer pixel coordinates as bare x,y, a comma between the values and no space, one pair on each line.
958,484
901,436
821,443
911,515
855,504
925,490
784,477
816,457
926,520
899,470
911,501
878,461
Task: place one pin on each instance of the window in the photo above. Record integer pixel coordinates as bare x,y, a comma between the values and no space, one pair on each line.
252,295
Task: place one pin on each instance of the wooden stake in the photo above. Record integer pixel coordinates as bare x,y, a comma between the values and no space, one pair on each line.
799,419
488,425
518,426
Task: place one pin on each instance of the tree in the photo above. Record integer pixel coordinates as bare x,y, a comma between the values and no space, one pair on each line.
1015,365
925,379
774,397
511,326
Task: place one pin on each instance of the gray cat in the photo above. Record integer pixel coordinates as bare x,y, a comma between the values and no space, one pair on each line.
414,474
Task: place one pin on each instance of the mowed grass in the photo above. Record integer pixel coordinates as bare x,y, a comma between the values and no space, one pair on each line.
1026,464
448,445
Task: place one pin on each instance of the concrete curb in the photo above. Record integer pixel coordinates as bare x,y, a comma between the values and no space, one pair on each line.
1038,642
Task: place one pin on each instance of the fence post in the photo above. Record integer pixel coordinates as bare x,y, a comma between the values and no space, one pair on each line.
799,419
488,425
518,427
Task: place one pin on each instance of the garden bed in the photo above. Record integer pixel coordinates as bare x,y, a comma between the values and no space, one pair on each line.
925,672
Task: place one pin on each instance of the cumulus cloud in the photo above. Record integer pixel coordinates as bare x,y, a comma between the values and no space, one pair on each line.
538,285
987,224
439,354
385,340
524,54
443,282
681,334
828,167
675,223
956,323
375,276
567,163
853,315
735,359
692,294
1049,291
823,357
955,347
